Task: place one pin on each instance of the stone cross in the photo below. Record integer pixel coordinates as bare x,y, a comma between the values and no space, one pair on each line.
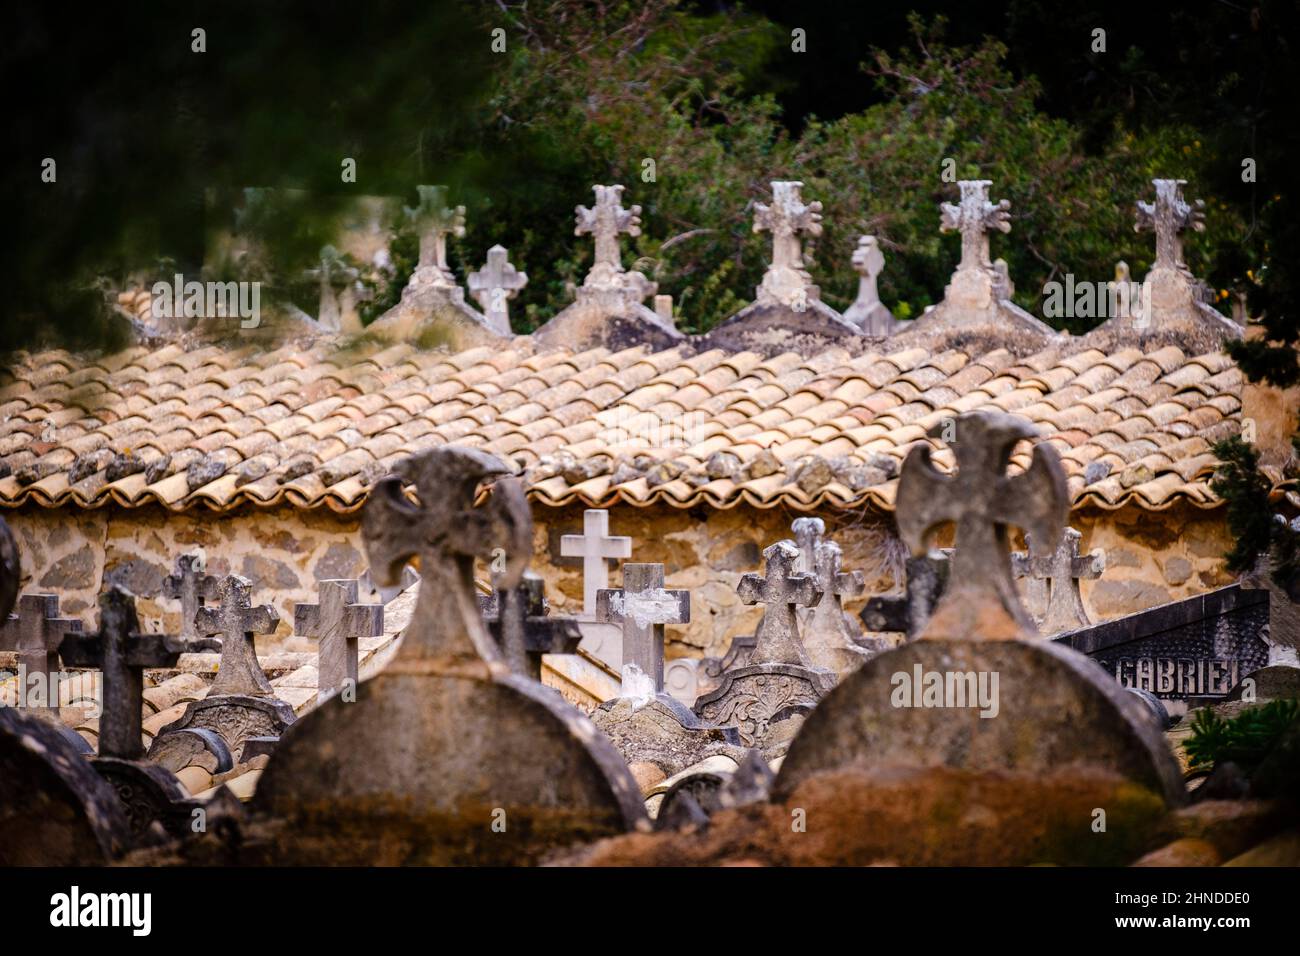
1168,217
867,312
780,588
606,221
36,632
193,588
1054,582
982,500
973,216
927,577
121,653
494,285
643,606
337,621
435,221
519,619
237,621
595,546
787,281
333,273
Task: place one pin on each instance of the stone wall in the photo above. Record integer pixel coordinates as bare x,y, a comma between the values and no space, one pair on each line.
1152,557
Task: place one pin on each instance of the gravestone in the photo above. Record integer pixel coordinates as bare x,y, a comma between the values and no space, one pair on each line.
241,702
867,312
596,547
335,276
696,797
190,585
978,697
372,592
337,621
446,756
36,632
608,309
927,577
787,313
1053,592
831,637
155,802
767,698
646,724
10,570
495,285
519,621
1187,653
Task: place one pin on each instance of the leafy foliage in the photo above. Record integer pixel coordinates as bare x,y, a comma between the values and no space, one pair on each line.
1244,740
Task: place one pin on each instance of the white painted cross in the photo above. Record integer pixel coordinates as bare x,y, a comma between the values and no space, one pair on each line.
494,285
643,606
595,546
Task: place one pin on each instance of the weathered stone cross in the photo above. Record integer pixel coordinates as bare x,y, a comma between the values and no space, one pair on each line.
982,500
1168,217
780,588
927,577
494,285
518,619
606,220
193,588
973,216
787,218
36,633
237,621
121,653
337,621
643,606
595,546
435,221
1055,577
333,273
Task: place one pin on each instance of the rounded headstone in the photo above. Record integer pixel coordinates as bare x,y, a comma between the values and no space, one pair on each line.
54,809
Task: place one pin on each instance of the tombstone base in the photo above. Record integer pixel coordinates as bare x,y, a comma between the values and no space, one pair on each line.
191,747
156,805
663,732
1052,708
430,769
54,809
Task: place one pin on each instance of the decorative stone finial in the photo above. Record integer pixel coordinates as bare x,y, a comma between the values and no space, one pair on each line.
606,220
786,281
868,313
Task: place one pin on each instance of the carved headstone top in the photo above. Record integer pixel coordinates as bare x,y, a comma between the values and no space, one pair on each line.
237,620
867,312
122,653
780,588
1055,601
982,500
788,218
828,633
190,585
494,285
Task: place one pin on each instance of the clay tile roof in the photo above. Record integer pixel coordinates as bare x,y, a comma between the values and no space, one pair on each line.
216,428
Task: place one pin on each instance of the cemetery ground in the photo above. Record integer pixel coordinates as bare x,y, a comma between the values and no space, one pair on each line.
382,583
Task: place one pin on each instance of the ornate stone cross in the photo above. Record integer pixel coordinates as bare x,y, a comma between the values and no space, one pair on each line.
333,273
121,653
788,217
1054,595
494,285
973,216
193,588
36,633
337,621
1168,217
519,620
435,221
237,621
606,221
643,606
595,546
780,588
982,500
